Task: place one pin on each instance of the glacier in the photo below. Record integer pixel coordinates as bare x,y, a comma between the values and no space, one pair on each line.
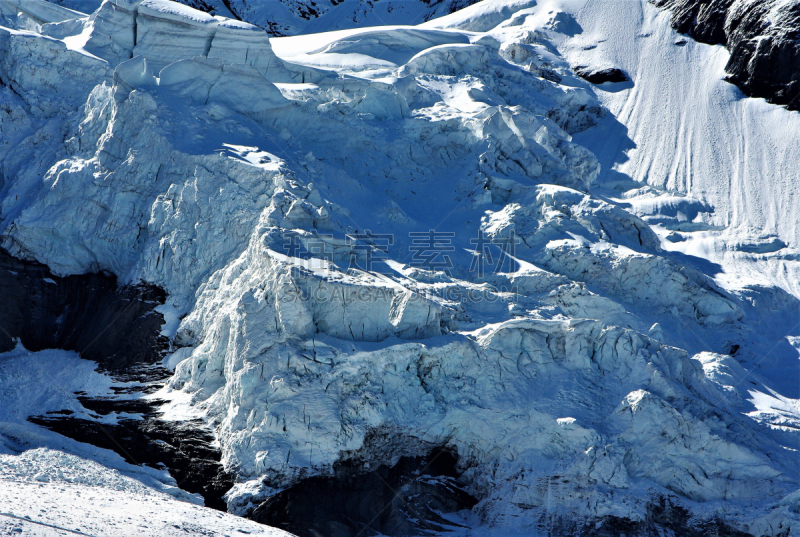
379,242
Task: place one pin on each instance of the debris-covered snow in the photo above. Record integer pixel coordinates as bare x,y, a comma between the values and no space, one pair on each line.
439,232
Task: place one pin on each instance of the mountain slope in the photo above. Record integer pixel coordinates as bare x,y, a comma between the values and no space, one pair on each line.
726,156
434,256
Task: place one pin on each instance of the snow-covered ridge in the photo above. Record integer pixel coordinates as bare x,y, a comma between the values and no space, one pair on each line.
580,372
293,17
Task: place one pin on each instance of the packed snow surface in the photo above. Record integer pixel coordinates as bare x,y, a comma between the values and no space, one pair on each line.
439,233
46,492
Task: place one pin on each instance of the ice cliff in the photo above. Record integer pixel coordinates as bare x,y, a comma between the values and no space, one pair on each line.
410,230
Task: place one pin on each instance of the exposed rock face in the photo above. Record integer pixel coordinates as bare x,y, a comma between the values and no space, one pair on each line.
763,38
702,20
405,499
600,76
114,326
117,327
186,448
662,514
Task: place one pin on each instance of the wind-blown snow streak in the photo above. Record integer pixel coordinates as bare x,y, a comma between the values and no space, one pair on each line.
584,378
707,140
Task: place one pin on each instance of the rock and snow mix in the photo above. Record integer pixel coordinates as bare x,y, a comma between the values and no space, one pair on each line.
396,229
51,485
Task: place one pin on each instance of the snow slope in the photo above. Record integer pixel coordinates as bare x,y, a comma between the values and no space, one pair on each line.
615,348
707,140
724,160
48,492
761,37
50,485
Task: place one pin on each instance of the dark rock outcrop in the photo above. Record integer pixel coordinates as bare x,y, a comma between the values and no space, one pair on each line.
665,516
702,20
762,37
115,326
185,448
600,76
765,52
405,499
